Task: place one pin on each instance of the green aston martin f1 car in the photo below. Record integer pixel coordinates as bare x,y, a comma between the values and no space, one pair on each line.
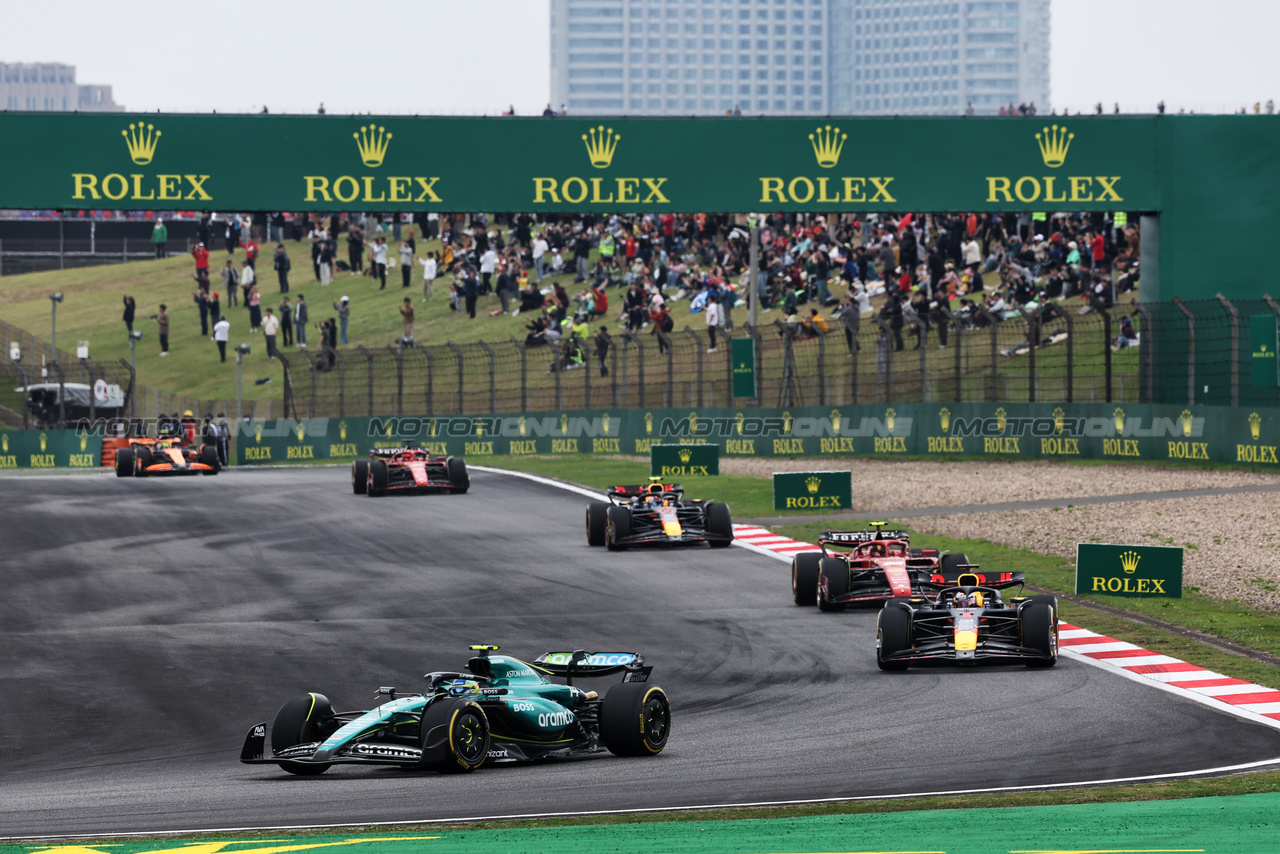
500,710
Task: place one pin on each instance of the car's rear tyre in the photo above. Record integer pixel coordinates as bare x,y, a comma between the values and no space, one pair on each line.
953,562
454,736
597,522
124,462
893,635
377,477
303,720
617,528
209,456
458,476
833,582
719,522
805,569
635,719
360,477
141,459
1039,626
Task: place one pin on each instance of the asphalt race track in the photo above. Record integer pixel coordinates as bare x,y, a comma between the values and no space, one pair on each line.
146,624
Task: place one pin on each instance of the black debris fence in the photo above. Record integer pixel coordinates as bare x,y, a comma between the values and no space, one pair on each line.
1051,352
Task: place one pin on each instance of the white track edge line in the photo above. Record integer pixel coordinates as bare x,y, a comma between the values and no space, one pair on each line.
1224,769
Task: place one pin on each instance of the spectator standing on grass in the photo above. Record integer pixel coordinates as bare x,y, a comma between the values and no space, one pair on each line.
380,263
221,332
712,311
160,237
470,290
253,302
231,283
406,314
270,328
162,321
539,253
355,249
406,262
343,307
429,269
282,266
201,299
248,279
202,259
300,321
488,263
215,307
326,264
286,323
251,253
582,254
130,309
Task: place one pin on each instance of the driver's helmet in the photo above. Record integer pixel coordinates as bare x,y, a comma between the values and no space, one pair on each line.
463,687
876,550
968,600
655,488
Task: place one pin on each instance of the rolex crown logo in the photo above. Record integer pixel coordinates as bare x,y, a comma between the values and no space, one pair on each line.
1001,417
1255,425
4,443
944,415
604,422
564,423
142,140
827,143
812,484
601,143
1059,419
685,455
1129,561
524,425
84,441
739,419
1054,143
301,432
648,423
835,420
44,442
1118,418
342,431
1185,416
257,432
890,416
372,142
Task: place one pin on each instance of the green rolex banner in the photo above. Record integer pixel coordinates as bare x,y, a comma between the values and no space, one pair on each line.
670,461
812,490
1134,571
1262,350
744,367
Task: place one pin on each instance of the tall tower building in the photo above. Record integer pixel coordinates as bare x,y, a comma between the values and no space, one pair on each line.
798,57
51,87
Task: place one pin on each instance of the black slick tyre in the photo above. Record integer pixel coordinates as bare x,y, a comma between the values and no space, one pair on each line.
454,736
141,459
893,634
805,569
124,462
597,522
377,477
209,456
833,582
719,524
1039,625
302,720
635,719
618,528
953,562
458,476
360,477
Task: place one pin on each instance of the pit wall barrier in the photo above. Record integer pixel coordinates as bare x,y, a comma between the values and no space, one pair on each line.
1032,431
1126,432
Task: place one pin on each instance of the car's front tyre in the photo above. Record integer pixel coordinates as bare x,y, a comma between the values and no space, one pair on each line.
302,720
805,569
458,476
124,462
1039,625
597,522
719,522
618,528
454,736
833,582
360,477
377,477
893,635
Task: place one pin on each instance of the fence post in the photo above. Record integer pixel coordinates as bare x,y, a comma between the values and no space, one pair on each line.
1191,350
851,330
1056,310
93,398
431,379
822,369
1033,338
759,348
398,353
342,383
62,392
457,352
995,346
1106,352
613,373
639,365
133,404
290,404
957,337
369,364
493,386
922,332
1235,349
524,375
671,370
697,349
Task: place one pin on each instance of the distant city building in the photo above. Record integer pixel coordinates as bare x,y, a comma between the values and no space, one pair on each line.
51,87
798,57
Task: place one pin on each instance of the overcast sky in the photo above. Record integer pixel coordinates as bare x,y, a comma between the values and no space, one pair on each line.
480,56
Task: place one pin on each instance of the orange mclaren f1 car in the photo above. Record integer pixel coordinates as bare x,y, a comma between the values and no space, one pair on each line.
165,456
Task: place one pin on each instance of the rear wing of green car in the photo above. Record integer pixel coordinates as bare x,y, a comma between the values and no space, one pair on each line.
580,662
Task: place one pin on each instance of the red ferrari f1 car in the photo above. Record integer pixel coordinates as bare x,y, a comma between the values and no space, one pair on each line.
873,567
408,469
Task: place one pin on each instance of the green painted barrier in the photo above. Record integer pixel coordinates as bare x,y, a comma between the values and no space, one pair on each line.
812,490
1132,571
49,449
1244,824
672,461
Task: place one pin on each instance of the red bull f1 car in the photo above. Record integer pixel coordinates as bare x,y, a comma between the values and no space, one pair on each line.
408,469
655,514
967,623
498,710
873,567
165,456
